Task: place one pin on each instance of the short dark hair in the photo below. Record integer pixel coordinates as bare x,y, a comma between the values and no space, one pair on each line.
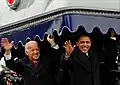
83,35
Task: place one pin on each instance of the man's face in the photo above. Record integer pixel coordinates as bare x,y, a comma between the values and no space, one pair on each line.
33,51
84,44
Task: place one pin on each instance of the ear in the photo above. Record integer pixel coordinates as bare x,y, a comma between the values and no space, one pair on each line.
26,52
77,43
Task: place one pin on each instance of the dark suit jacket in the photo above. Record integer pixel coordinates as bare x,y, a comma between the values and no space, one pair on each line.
84,70
43,75
111,49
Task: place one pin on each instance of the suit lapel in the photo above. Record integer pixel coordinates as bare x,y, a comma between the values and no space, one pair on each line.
83,60
93,61
40,68
30,65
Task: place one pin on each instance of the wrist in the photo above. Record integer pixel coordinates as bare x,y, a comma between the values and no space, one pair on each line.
67,54
7,52
53,44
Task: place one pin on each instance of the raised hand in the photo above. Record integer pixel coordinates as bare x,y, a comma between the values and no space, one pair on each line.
68,47
6,44
50,39
9,83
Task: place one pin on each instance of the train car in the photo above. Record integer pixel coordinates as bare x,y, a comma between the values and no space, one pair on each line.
24,20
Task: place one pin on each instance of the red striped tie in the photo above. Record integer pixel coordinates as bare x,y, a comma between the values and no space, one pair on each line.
35,64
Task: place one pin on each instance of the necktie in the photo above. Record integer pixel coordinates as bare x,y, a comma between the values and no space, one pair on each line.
35,64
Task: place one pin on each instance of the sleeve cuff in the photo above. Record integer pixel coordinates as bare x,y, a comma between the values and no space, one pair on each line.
66,57
8,57
56,46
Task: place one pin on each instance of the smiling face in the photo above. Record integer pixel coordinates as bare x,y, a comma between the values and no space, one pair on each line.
32,50
84,44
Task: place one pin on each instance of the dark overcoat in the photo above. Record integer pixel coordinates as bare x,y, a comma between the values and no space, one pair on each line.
84,70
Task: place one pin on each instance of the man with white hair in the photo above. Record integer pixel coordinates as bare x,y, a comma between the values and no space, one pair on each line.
36,68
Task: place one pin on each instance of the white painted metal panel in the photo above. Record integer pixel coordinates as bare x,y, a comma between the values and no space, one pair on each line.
28,8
